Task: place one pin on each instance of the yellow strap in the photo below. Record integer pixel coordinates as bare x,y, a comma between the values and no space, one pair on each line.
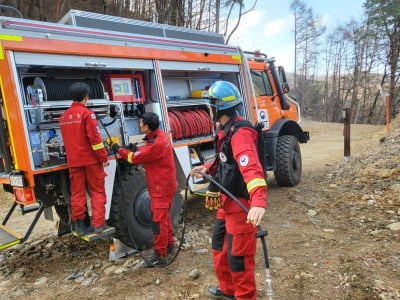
98,146
256,182
130,157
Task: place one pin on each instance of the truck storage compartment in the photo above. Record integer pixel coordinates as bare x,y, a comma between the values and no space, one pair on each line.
186,97
47,97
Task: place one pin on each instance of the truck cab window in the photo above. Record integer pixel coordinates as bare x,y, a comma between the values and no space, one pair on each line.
262,86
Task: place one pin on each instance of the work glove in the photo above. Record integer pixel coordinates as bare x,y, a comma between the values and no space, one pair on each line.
132,147
213,197
115,147
213,200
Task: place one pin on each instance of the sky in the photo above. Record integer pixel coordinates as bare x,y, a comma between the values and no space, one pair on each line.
269,28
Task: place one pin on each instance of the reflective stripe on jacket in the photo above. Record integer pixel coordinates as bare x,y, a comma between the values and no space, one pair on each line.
245,155
82,140
158,159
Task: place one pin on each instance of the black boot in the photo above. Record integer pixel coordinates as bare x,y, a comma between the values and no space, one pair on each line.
157,258
99,229
79,227
215,293
171,249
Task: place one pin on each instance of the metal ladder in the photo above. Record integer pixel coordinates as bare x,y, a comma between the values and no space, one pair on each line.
9,237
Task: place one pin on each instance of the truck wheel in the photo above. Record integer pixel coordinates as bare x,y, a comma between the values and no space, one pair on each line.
288,161
130,208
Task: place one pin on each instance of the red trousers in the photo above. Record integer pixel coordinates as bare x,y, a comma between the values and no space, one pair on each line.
91,177
163,232
233,250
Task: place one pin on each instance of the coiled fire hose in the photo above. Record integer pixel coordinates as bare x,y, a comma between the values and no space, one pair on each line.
259,234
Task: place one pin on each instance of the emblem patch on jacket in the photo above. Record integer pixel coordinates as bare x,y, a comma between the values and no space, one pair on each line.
244,160
222,157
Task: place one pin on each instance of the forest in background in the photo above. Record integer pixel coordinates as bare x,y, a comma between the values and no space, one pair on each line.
355,66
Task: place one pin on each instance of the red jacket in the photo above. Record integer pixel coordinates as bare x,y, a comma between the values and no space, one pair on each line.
244,150
158,159
82,140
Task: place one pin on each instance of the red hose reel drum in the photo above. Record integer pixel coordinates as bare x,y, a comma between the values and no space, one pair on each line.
189,123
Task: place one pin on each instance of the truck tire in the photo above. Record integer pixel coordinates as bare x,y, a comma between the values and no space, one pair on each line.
288,161
130,208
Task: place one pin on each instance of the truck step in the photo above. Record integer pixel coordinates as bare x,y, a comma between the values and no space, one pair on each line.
22,210
8,237
91,236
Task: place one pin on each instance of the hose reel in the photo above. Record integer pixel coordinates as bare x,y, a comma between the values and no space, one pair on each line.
48,90
56,89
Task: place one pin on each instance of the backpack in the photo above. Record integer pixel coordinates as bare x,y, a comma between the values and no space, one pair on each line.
228,173
260,141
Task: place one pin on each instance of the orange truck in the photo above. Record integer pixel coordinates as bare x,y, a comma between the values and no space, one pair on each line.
131,67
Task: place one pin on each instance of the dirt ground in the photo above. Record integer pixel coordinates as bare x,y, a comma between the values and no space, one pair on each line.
334,236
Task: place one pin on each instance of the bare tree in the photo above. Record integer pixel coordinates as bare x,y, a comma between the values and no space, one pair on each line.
307,33
385,15
358,55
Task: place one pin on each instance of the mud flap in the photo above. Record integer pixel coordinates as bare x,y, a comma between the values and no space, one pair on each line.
62,228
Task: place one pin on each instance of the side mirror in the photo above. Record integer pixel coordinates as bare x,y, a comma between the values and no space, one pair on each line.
285,87
282,77
282,74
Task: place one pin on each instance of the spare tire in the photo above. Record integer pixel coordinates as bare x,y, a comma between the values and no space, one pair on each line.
130,208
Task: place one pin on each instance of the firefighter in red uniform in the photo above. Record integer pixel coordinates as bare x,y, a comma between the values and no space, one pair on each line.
158,160
237,167
86,159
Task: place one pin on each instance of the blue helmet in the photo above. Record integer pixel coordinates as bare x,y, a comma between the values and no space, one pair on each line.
224,95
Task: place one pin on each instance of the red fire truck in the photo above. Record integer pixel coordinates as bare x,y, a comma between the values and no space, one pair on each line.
131,67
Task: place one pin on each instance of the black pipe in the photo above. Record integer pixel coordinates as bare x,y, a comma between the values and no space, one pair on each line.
284,104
